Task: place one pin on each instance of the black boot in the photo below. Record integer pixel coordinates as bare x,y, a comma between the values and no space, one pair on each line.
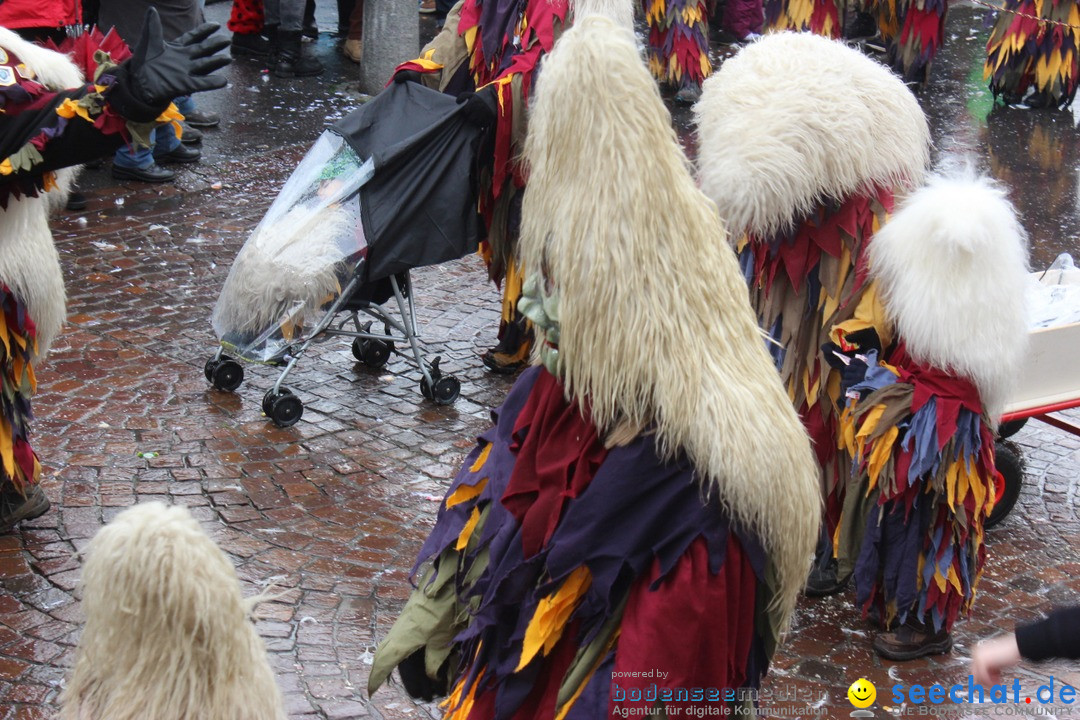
289,60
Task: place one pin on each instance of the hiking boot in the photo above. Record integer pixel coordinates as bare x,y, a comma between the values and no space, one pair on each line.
289,61
912,640
353,50
501,364
823,580
16,507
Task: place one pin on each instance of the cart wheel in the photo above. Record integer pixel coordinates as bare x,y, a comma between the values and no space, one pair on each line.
209,367
1009,464
447,389
285,409
227,374
1008,429
373,353
269,397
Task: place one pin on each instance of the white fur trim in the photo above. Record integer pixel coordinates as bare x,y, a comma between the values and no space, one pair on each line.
655,324
795,118
51,69
284,265
29,263
30,266
952,266
167,632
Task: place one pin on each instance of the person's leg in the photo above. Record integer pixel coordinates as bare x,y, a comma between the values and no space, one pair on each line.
130,163
289,59
352,46
169,149
246,24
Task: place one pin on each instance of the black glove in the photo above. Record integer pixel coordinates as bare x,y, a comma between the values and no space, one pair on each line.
481,107
160,71
403,76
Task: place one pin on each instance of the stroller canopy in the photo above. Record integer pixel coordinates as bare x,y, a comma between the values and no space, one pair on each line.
420,206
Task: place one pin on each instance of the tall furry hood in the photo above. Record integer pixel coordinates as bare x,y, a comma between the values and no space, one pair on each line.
29,264
952,266
167,632
795,118
655,325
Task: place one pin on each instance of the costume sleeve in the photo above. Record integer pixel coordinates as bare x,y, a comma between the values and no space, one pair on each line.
1057,636
39,137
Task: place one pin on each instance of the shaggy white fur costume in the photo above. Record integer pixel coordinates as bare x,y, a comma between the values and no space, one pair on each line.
655,327
794,119
168,635
29,264
284,266
952,267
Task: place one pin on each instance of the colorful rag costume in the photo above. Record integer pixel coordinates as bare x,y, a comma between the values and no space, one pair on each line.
632,532
43,124
803,144
50,119
926,386
678,47
1034,48
820,17
918,36
501,43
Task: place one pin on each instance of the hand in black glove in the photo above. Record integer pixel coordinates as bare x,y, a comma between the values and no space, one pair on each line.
403,76
160,71
482,106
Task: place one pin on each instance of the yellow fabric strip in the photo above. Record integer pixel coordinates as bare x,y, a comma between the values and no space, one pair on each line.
547,623
467,531
464,493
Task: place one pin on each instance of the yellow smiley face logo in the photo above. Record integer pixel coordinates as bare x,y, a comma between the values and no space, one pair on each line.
862,693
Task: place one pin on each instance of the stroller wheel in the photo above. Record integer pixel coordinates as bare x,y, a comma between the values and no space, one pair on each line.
1009,464
284,408
447,389
209,367
227,374
373,353
270,396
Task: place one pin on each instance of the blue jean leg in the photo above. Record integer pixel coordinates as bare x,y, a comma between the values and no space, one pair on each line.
163,140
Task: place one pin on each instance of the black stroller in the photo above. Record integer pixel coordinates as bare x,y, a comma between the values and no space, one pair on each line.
387,189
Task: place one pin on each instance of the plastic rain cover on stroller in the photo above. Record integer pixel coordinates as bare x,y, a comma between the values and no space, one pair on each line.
388,188
300,256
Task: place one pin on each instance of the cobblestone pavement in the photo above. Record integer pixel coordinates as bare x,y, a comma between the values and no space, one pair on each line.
333,510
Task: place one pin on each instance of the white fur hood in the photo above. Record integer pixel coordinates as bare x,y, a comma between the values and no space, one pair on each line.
952,266
795,118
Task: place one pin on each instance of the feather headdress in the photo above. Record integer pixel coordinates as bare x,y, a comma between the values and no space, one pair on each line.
655,327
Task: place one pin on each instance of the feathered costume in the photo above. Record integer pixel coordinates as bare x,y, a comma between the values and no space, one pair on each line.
1035,48
927,385
50,119
625,514
803,143
679,42
911,49
820,17
500,43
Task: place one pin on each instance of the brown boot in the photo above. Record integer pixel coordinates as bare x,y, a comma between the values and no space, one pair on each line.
16,507
912,640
